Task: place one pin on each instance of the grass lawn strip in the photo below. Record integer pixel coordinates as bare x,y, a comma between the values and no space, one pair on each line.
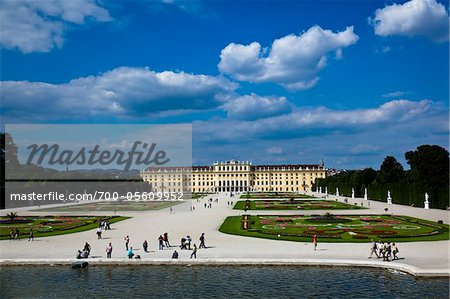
291,204
45,226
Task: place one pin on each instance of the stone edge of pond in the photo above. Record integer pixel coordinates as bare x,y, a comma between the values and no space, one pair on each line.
232,262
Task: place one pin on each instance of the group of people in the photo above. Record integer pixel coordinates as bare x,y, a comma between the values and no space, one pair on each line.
163,241
105,225
14,234
84,254
102,225
388,251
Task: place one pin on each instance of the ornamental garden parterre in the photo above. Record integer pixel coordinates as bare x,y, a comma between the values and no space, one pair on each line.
327,226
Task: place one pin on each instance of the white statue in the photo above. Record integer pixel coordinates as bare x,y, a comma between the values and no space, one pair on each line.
389,199
320,189
326,190
353,193
365,194
426,203
337,191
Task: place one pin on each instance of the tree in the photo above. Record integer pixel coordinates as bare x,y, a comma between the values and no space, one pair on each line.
8,150
429,165
391,171
12,216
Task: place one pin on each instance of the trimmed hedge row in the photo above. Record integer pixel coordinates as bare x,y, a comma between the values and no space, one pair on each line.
402,192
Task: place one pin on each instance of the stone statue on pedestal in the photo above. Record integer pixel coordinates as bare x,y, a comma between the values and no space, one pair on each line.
389,199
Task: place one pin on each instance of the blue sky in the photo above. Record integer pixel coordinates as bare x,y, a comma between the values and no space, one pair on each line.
267,81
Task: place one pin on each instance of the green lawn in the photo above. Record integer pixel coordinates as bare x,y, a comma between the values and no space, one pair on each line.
45,226
294,205
337,228
256,195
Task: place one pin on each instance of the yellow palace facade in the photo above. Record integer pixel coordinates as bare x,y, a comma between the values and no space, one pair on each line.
234,176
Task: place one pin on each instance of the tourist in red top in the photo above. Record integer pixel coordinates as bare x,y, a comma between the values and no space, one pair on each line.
315,241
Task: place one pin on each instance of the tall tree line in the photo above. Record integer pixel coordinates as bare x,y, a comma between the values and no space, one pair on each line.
429,172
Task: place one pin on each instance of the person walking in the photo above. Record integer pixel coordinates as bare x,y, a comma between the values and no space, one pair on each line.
373,249
188,242
145,246
395,251
384,252
166,240
31,236
109,250
314,240
202,241
99,233
161,242
194,251
388,252
380,250
127,241
87,247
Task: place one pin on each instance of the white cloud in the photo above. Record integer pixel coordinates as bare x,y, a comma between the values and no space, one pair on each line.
414,18
274,150
125,91
395,94
38,26
317,121
293,61
386,49
185,5
252,106
357,137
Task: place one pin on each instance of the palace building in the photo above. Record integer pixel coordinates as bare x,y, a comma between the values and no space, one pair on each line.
234,176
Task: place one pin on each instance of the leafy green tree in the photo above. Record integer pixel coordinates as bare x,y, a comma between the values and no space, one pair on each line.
429,165
391,171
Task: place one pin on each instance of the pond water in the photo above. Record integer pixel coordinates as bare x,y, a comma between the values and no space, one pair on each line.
215,281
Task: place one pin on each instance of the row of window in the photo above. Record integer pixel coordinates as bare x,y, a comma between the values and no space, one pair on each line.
228,183
233,168
292,189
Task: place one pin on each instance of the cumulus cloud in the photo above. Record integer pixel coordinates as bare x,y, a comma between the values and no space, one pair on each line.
253,106
351,138
38,26
319,121
123,91
414,18
293,61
